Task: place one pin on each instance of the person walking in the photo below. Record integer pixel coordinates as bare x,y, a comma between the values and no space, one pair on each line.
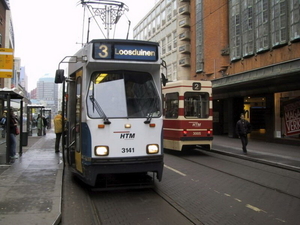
45,123
58,129
13,125
243,128
40,125
3,125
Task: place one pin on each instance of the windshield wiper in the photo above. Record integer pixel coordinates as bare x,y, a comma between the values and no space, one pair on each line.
99,109
149,117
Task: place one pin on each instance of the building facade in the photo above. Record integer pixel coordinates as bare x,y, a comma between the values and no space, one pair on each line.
47,93
249,49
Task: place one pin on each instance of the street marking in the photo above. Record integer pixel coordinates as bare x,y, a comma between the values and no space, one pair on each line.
174,170
283,221
238,200
255,208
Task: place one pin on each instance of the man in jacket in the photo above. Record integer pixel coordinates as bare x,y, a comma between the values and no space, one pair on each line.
58,129
243,128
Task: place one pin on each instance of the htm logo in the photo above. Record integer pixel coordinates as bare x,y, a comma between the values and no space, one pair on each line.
127,136
195,124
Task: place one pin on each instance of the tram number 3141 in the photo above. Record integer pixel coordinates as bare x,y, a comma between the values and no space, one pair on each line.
127,150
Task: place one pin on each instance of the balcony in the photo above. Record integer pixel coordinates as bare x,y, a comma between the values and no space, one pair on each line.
185,62
184,49
185,22
184,10
184,36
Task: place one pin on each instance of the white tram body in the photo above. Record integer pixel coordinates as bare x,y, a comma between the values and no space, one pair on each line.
114,109
188,115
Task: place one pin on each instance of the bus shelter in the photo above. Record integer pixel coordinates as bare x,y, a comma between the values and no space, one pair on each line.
32,114
8,95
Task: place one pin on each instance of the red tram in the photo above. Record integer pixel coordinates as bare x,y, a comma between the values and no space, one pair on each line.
188,115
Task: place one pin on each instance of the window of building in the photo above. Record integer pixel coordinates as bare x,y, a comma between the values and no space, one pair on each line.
153,26
279,22
158,22
295,20
163,17
248,27
199,37
174,39
174,8
262,25
169,72
163,46
235,30
174,75
149,29
169,13
169,40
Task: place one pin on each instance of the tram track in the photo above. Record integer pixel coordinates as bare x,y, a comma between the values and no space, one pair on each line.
110,207
214,154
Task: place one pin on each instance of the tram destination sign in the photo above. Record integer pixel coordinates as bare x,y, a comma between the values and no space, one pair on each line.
125,52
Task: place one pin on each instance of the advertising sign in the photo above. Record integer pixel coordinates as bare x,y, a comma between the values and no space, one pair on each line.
6,62
291,111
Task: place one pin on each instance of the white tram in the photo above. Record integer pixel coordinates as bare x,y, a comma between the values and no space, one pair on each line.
188,115
114,109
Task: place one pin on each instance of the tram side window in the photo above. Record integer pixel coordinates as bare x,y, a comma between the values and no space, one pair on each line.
196,104
171,105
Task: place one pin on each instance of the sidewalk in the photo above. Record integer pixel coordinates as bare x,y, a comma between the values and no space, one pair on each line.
286,156
31,188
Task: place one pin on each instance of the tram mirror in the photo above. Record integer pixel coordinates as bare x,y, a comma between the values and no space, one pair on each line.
59,76
164,79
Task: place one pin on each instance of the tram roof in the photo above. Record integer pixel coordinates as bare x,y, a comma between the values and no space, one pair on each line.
123,41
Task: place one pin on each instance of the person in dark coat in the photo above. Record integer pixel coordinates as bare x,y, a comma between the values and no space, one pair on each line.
13,124
45,122
243,128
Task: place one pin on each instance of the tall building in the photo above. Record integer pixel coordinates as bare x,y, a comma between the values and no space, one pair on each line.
168,23
47,92
249,49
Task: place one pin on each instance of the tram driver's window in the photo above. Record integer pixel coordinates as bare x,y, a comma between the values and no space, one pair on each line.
171,104
196,104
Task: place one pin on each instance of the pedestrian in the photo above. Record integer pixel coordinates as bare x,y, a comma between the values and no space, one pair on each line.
58,129
45,123
3,125
243,128
13,125
39,125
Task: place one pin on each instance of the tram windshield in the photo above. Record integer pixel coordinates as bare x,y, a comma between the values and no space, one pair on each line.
196,105
119,94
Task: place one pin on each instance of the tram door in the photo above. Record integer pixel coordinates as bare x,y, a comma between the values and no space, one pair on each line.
77,127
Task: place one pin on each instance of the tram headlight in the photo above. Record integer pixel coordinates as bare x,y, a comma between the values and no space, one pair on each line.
152,149
101,150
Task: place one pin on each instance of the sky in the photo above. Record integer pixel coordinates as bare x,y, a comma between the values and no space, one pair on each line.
48,30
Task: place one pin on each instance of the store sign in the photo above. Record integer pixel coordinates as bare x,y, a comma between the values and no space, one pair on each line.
6,62
291,111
